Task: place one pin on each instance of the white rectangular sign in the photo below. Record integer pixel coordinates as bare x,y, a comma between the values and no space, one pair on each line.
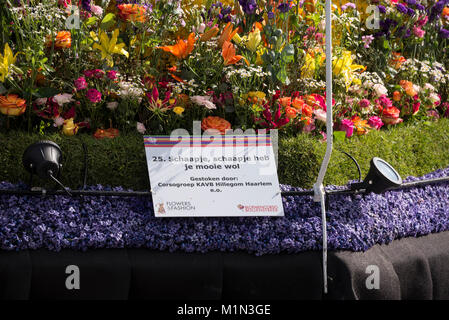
213,176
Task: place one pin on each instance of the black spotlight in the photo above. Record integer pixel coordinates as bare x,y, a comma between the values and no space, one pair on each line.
381,177
43,158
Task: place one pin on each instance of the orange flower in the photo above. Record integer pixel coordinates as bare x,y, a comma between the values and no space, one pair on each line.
62,40
390,115
132,12
360,125
285,101
445,12
290,112
297,103
106,133
397,60
216,123
12,105
397,96
229,56
206,36
227,34
307,110
408,87
182,48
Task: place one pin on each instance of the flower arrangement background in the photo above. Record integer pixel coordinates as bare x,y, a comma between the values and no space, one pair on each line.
154,66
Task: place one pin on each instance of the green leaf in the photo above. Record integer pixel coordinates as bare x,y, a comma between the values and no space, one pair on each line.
46,92
282,75
339,135
107,21
92,20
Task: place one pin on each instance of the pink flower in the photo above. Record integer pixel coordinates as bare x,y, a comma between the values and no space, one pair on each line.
89,73
58,121
445,107
93,95
111,74
375,122
320,115
416,106
80,83
97,10
423,21
417,31
348,126
364,103
98,73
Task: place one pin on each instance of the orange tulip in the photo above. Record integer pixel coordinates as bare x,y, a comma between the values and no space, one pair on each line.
229,56
182,48
132,12
227,34
12,105
62,40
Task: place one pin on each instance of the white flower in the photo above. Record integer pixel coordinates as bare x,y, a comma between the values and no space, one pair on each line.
434,98
112,105
63,98
59,121
429,87
320,115
204,101
380,89
140,127
41,101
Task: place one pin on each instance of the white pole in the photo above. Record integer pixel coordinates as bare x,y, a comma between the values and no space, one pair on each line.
320,195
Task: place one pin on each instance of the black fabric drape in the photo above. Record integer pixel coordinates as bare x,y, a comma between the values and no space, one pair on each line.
410,268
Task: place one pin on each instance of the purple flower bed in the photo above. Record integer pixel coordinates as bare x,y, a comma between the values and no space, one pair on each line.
355,223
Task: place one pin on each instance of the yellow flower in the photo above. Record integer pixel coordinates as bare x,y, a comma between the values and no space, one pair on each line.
178,110
254,39
6,60
69,128
343,66
313,61
108,47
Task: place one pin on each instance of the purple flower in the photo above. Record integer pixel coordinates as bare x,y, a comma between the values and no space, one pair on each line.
401,8
348,5
355,222
248,6
284,7
444,33
86,5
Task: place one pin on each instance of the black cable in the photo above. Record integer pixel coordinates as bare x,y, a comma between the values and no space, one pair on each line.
355,161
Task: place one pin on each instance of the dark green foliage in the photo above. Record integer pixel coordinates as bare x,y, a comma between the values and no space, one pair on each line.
412,150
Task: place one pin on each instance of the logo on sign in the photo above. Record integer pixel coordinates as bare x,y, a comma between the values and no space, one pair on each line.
267,208
160,208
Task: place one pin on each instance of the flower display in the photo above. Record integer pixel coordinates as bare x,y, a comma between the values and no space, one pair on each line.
257,65
12,105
